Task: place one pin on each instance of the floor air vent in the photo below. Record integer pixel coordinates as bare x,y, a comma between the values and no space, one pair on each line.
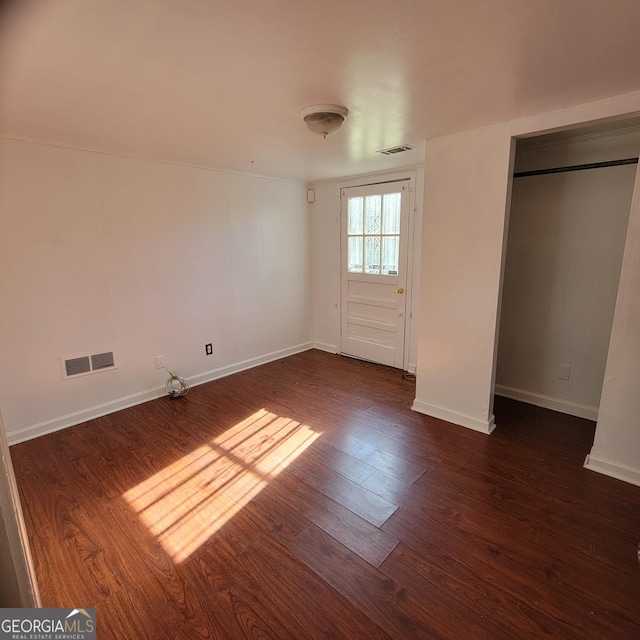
84,365
393,150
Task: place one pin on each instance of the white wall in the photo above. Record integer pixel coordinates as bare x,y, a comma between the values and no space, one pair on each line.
325,265
326,257
465,213
564,254
616,447
103,252
466,191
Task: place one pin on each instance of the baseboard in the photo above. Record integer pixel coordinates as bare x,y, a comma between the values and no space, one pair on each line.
548,402
613,469
460,419
77,417
97,411
332,348
223,372
324,346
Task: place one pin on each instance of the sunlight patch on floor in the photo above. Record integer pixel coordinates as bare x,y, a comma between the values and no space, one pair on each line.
187,502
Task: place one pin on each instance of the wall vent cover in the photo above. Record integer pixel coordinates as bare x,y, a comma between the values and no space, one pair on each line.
102,360
77,366
391,151
87,364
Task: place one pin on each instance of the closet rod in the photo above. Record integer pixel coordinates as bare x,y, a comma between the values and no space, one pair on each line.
576,167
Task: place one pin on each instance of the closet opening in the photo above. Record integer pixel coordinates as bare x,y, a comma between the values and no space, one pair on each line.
570,205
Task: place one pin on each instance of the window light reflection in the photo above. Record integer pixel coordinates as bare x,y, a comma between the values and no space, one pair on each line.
187,502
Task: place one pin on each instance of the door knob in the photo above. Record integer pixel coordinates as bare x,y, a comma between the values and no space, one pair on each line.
399,290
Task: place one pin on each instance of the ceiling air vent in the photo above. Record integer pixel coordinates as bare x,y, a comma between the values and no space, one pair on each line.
84,365
391,151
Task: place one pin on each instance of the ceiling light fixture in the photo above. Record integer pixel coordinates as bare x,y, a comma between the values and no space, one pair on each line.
324,119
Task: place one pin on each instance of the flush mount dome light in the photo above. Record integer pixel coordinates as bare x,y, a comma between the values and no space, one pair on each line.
324,119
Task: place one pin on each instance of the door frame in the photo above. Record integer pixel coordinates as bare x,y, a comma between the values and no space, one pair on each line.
371,181
562,406
18,584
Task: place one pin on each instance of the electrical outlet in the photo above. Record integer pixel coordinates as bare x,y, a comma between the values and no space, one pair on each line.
564,371
159,362
208,349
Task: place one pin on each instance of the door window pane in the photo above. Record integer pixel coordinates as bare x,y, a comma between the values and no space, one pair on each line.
372,254
355,215
355,254
390,251
372,211
391,213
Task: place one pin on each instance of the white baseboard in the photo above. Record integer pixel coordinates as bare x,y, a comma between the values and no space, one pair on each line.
324,346
613,469
548,402
332,348
460,419
77,417
222,372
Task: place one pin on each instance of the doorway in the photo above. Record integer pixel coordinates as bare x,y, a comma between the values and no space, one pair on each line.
375,222
570,206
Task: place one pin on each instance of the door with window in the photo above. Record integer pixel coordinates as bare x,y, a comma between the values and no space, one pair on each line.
375,224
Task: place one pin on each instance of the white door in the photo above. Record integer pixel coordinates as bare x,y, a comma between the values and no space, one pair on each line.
375,224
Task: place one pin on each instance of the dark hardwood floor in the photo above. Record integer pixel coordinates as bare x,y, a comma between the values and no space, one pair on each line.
304,499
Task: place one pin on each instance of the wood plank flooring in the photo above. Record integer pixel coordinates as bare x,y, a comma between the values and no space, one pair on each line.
304,499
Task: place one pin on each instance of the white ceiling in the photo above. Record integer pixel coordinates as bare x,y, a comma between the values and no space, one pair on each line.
219,84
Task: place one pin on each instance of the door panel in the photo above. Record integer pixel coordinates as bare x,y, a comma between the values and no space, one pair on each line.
375,222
